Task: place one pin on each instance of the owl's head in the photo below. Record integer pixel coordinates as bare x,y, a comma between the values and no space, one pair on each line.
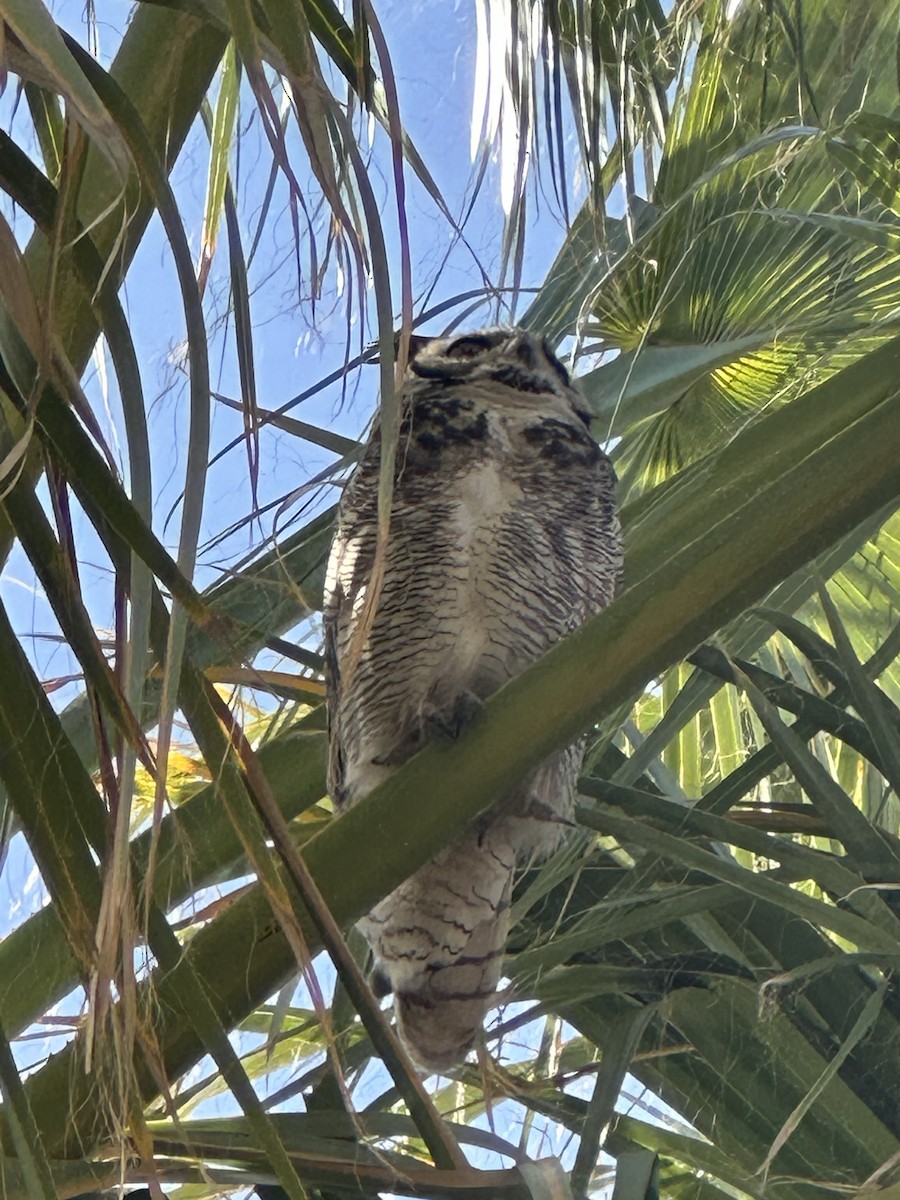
497,357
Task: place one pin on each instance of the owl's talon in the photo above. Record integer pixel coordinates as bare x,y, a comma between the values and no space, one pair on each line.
450,724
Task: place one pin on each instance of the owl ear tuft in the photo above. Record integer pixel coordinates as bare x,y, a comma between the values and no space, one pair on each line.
417,343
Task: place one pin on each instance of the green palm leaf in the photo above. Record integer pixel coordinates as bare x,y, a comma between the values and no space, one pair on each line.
721,935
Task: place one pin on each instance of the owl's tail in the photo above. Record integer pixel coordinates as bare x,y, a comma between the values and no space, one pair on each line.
440,1019
439,939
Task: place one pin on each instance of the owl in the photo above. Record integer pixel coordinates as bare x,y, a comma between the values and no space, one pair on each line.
503,539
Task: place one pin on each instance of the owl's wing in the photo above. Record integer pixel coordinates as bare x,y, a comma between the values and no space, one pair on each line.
334,615
346,578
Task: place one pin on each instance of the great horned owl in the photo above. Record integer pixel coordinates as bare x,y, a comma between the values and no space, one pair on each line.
503,539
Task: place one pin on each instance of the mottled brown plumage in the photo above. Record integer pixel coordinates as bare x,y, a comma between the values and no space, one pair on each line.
503,539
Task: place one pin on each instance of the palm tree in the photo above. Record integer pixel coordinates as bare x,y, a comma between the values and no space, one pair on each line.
718,942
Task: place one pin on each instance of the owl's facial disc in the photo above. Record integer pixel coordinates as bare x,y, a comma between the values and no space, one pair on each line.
512,358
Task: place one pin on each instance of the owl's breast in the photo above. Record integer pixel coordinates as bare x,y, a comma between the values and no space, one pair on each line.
485,500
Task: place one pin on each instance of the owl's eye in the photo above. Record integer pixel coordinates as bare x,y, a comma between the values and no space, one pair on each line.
469,347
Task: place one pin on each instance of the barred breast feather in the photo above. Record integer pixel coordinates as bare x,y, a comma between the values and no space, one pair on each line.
503,539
